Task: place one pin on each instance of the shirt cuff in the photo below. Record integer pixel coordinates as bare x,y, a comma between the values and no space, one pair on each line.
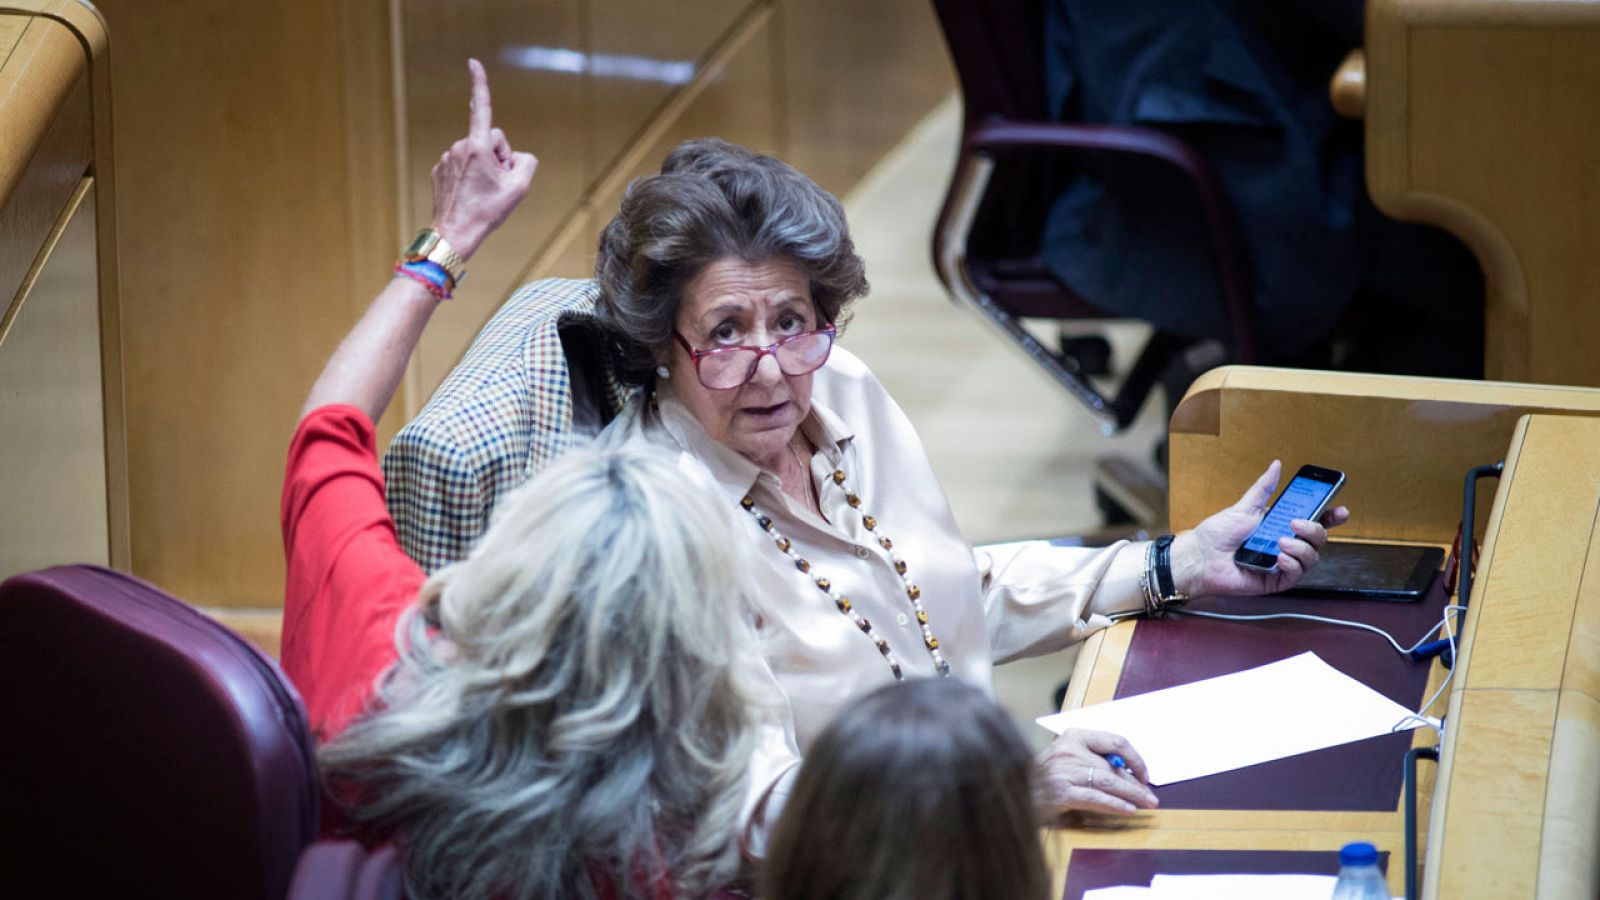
1120,590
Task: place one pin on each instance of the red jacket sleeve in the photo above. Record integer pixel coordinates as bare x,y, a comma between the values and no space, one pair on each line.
349,581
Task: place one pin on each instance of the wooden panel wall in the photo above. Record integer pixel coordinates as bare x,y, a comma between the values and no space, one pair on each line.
275,155
234,129
829,86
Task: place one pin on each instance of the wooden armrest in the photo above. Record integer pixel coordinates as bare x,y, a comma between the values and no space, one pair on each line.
1348,87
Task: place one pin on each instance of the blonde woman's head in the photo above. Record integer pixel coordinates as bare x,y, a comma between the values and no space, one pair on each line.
572,700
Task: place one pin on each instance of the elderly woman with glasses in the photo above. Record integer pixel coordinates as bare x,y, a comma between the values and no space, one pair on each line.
724,280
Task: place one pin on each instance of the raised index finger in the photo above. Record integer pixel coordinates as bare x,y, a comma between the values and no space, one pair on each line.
482,115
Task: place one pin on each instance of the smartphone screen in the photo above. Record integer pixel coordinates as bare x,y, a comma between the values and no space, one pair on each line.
1304,498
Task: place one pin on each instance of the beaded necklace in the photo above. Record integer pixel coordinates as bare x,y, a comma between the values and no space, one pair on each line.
841,602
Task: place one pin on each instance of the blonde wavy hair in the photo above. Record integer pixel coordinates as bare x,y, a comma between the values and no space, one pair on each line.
571,705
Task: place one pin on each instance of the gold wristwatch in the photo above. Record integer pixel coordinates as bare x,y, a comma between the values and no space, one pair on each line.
429,245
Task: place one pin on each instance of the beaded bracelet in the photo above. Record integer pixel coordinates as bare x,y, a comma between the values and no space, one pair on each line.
430,275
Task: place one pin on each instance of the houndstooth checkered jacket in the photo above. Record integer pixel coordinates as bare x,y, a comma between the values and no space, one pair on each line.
505,411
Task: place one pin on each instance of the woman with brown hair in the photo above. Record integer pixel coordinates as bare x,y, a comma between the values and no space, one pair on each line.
922,790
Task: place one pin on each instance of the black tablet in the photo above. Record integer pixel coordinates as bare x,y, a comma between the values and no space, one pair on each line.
1372,571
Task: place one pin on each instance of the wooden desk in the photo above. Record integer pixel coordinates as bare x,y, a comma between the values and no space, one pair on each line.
1095,680
1394,437
1480,119
1517,808
1522,752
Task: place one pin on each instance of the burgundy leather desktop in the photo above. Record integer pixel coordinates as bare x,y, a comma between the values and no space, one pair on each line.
1365,775
1090,869
148,750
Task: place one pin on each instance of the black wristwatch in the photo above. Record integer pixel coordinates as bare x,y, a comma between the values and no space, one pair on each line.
1166,588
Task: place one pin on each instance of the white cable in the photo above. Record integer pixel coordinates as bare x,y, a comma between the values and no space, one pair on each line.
1420,716
1264,617
1443,623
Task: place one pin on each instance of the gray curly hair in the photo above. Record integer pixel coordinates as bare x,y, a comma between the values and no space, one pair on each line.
714,200
571,703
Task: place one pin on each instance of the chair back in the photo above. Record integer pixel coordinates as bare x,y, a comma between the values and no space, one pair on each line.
1016,158
149,751
998,50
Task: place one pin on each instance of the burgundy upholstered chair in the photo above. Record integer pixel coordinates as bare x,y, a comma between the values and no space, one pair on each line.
1014,161
1014,158
148,750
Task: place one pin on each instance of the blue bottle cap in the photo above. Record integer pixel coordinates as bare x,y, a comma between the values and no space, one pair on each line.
1359,853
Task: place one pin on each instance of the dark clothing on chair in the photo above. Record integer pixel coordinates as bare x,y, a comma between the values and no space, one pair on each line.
1245,82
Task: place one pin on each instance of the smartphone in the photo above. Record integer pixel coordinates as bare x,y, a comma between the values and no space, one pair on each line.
1305,497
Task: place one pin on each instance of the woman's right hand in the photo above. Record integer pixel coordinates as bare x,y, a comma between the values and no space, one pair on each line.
1074,775
480,179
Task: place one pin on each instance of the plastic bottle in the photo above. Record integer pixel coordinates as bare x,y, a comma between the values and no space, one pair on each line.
1359,878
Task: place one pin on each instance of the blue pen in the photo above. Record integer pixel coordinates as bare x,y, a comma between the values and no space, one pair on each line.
1118,763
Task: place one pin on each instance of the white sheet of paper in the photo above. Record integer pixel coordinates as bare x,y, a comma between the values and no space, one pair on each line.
1281,709
1222,887
1241,887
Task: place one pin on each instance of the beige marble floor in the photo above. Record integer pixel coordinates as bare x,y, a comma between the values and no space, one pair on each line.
1013,452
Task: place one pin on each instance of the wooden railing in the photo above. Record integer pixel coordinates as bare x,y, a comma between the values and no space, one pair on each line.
63,461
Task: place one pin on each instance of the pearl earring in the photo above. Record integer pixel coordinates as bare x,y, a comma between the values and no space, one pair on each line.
661,372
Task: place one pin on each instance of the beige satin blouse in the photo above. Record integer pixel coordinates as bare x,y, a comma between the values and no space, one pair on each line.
985,606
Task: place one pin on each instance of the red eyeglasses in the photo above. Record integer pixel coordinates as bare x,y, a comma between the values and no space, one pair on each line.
725,368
